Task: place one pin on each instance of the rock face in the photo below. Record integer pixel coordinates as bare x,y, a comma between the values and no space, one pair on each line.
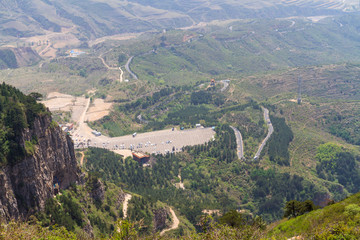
160,217
25,186
98,191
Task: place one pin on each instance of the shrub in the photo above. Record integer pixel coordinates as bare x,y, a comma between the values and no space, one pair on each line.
30,148
352,210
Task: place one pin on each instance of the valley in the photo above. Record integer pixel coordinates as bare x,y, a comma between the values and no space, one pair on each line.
194,119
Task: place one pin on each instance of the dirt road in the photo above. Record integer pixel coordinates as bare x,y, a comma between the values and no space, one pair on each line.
121,74
126,205
226,84
45,49
180,184
113,68
82,118
82,158
174,225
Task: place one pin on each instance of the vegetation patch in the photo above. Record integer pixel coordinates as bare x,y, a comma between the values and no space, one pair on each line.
337,164
279,141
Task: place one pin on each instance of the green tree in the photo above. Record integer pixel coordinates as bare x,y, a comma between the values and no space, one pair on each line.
292,209
125,230
232,218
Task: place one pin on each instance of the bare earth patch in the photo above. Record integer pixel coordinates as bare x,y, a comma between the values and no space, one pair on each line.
125,152
98,110
78,108
59,102
63,102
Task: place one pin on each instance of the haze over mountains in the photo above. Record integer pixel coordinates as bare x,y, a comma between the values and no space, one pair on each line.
88,19
244,110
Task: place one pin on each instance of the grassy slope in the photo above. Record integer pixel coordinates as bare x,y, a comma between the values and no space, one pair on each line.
250,48
325,89
320,221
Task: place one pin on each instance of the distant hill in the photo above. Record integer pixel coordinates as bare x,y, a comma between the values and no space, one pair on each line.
93,19
18,57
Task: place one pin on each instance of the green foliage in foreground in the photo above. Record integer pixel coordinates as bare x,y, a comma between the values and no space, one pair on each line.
64,211
81,206
338,221
17,230
210,229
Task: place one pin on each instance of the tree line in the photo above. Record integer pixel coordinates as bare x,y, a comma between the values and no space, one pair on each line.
279,141
18,112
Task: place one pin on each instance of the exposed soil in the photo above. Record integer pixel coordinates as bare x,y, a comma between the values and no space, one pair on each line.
98,109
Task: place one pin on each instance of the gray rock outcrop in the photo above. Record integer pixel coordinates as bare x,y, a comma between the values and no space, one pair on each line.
160,217
25,186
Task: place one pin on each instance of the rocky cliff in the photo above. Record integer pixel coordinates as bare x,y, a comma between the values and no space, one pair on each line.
160,218
26,185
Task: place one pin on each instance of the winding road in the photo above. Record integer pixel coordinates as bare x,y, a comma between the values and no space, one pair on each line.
226,84
113,68
127,67
174,225
270,131
126,205
239,143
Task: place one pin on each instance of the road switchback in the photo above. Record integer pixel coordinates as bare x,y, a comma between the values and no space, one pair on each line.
270,131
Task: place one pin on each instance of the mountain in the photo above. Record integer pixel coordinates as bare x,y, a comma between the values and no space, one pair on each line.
37,157
89,19
18,57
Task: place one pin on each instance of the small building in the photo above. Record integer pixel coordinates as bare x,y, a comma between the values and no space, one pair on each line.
198,125
75,53
141,157
70,126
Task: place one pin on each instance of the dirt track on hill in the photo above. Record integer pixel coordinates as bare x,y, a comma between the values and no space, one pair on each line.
174,225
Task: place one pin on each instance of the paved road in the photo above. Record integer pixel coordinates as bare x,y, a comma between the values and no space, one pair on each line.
127,67
239,142
270,131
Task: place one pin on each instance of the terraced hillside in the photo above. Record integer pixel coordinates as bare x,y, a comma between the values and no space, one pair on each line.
87,19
